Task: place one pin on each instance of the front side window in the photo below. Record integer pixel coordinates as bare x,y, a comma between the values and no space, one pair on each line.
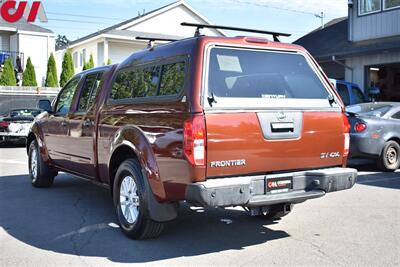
65,98
89,91
369,6
396,116
357,95
262,75
344,93
391,4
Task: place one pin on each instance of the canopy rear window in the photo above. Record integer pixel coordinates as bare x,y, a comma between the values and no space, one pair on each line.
262,75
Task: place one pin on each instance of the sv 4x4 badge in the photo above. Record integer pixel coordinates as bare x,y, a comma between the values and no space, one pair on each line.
330,155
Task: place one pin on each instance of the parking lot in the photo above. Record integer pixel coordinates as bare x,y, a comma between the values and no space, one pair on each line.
73,223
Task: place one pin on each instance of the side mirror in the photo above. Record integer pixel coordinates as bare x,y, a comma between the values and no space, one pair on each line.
45,104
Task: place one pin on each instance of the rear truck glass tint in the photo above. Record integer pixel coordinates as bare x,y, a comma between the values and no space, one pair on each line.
172,79
262,74
133,83
136,83
89,91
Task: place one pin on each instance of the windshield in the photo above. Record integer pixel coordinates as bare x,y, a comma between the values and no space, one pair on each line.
24,113
377,110
235,73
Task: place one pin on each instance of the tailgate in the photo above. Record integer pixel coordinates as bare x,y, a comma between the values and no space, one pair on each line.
260,142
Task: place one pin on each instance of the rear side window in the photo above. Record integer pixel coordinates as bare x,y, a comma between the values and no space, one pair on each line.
358,95
237,73
396,116
344,93
151,81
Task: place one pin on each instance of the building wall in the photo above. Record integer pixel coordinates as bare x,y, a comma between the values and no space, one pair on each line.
38,48
90,48
376,25
359,63
119,51
5,41
169,23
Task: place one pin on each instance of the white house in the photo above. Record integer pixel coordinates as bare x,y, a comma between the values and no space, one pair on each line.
119,41
21,40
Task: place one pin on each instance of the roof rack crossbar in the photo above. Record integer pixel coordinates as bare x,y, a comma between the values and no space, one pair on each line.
202,26
152,40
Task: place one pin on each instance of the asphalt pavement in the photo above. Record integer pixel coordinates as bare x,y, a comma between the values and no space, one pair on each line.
73,224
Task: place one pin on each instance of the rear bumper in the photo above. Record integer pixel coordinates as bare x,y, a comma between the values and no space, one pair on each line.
251,191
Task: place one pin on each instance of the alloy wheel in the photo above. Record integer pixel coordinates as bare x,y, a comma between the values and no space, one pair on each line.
129,199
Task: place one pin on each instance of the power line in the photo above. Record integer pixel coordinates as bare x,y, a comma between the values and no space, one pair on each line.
84,16
78,21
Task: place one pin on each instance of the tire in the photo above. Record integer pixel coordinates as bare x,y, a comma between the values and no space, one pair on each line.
389,159
134,216
41,175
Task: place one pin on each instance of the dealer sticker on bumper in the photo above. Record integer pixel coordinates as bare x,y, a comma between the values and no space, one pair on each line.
279,185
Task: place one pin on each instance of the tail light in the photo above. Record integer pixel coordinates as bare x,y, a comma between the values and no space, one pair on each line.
4,123
194,140
347,127
360,127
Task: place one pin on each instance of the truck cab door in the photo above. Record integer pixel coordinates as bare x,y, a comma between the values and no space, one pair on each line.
57,125
82,134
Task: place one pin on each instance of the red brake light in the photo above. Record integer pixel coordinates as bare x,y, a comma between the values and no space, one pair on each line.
4,123
346,133
360,127
194,143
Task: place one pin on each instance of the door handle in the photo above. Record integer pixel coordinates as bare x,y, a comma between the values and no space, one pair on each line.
87,123
64,124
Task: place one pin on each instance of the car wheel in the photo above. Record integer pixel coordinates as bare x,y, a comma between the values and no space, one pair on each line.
389,160
129,197
41,175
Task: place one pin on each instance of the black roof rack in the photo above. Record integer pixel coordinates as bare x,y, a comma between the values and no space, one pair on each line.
201,26
152,40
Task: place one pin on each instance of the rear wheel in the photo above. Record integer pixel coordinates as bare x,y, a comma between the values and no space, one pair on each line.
389,160
41,175
130,202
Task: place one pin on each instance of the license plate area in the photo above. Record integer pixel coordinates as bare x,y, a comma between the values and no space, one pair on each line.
278,185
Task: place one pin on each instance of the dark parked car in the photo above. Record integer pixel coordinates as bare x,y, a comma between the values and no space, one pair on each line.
15,124
213,121
375,133
350,93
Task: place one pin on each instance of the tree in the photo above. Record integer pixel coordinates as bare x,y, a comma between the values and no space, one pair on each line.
61,42
109,62
90,64
67,68
51,76
8,75
29,76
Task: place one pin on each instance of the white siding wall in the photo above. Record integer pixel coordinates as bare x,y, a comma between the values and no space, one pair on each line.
377,25
39,49
118,52
91,48
14,43
169,23
5,41
359,63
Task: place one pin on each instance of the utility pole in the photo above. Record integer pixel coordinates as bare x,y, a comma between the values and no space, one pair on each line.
321,16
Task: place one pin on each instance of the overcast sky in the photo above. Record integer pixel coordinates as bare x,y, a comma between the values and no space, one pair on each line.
294,16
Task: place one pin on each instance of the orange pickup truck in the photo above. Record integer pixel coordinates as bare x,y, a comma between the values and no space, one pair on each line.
214,121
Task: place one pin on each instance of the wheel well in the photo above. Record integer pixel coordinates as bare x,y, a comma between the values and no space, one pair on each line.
31,137
121,154
396,139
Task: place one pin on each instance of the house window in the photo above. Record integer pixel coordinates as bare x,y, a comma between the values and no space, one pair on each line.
388,4
76,59
369,6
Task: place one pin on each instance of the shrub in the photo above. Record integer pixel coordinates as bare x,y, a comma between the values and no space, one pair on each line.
29,76
8,75
90,64
67,68
51,75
